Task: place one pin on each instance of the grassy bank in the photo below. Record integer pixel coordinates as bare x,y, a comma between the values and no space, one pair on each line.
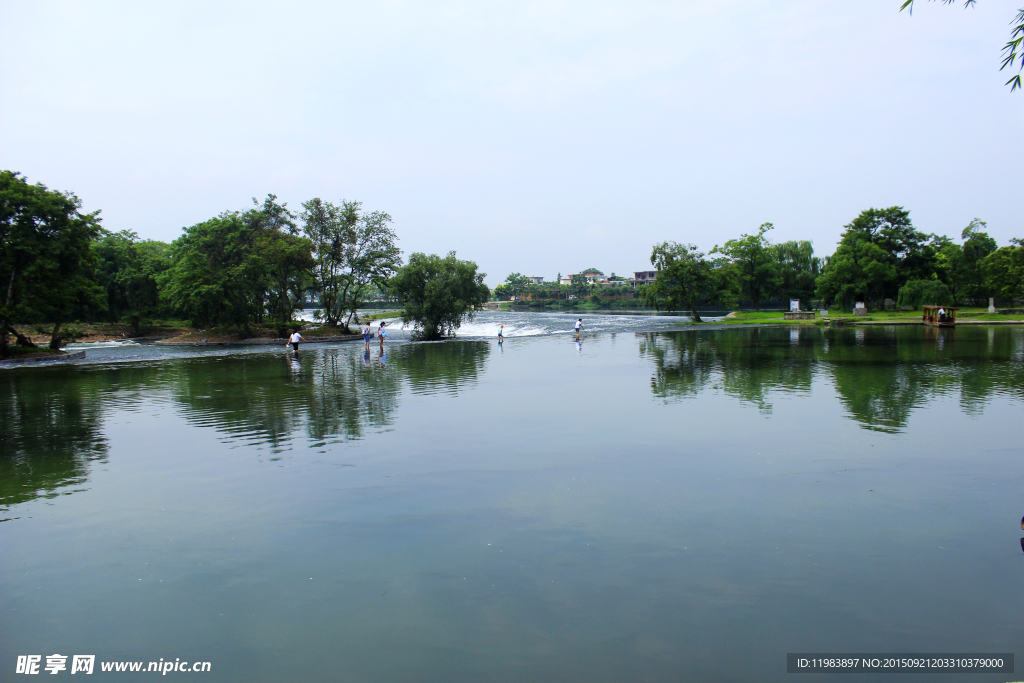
873,317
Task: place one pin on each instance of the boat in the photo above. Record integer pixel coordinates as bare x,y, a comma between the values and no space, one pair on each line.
932,318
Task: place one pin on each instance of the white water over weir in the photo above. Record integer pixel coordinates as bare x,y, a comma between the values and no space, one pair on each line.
486,324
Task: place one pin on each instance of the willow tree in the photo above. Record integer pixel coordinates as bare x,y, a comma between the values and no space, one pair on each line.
1013,51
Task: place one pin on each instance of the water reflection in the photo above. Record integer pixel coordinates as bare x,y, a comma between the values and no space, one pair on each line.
881,374
51,419
748,363
51,431
444,367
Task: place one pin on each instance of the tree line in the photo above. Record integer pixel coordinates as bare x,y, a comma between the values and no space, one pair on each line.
245,269
881,260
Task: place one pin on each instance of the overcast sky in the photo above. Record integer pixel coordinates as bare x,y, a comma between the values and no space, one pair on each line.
534,137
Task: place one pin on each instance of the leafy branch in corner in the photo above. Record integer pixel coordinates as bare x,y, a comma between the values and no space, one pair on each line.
1012,51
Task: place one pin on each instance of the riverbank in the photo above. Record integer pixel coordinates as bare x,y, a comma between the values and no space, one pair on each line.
24,355
232,336
104,332
965,316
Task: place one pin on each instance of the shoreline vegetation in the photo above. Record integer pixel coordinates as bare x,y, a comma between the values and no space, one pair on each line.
178,331
965,316
244,274
882,263
181,332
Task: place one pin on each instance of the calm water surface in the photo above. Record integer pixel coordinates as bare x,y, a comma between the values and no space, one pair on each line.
644,506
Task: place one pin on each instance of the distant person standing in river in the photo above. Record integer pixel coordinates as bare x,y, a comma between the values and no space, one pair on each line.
383,334
501,334
367,336
579,326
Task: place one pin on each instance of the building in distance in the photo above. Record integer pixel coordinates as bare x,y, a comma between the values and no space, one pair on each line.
643,277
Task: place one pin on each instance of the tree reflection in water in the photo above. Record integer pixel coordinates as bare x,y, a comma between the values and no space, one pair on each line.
747,364
334,396
51,419
881,374
51,430
261,401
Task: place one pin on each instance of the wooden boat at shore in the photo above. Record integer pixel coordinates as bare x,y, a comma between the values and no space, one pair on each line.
933,318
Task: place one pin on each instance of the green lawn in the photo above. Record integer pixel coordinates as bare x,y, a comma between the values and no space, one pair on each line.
769,317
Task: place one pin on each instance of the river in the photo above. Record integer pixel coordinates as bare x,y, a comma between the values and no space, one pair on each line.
659,502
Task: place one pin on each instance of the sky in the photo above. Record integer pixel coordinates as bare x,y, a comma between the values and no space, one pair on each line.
532,137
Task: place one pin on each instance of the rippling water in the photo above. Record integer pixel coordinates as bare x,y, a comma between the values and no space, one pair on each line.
642,505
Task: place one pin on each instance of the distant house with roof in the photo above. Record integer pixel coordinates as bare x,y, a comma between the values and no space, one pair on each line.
591,277
643,277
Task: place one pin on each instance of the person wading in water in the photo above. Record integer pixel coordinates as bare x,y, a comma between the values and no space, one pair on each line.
367,336
294,341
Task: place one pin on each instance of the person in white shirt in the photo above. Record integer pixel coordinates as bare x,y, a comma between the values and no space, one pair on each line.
367,336
294,341
942,315
579,326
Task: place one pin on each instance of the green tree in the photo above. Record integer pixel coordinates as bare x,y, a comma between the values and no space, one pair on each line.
686,279
579,285
755,264
330,228
959,266
284,254
439,293
216,276
288,271
977,245
949,266
879,251
797,268
515,284
1012,51
928,292
592,271
127,269
353,253
1004,272
47,268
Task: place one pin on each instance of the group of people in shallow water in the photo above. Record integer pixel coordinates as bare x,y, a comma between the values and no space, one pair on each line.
382,334
578,327
296,338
